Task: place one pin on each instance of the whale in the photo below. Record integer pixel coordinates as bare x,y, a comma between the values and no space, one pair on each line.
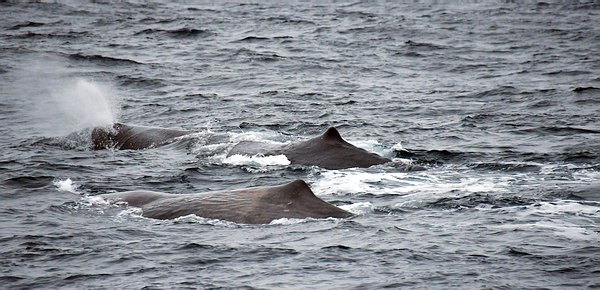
328,150
122,136
255,205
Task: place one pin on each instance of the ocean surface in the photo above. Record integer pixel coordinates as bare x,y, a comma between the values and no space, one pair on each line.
500,102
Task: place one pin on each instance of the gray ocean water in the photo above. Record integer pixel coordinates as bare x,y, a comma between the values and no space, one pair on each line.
499,102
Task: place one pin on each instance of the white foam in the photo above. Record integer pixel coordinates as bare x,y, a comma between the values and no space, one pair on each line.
587,175
267,137
287,221
398,147
359,208
569,231
402,161
369,145
416,188
95,200
257,160
217,152
135,212
560,208
295,221
355,181
568,219
65,185
558,228
192,218
350,181
376,147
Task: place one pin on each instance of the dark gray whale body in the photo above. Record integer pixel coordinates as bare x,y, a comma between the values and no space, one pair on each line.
122,136
328,151
257,205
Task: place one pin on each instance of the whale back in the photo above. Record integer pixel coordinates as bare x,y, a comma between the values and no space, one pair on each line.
258,205
331,151
137,198
328,150
122,136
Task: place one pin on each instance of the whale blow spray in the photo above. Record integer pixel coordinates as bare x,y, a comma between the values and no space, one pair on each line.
83,104
55,102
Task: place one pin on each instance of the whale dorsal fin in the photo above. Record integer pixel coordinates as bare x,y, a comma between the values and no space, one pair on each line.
297,200
332,134
294,190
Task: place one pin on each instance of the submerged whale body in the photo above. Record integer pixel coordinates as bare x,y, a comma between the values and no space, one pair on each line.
122,136
257,205
328,150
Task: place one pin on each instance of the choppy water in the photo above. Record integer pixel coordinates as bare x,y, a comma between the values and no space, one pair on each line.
499,101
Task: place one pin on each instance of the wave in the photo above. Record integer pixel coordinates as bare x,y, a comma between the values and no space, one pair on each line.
187,32
587,191
10,279
580,156
478,199
571,198
500,91
363,29
288,20
437,156
27,24
409,54
507,167
29,181
558,130
252,55
177,33
585,89
423,45
567,72
502,161
142,82
100,59
67,35
251,39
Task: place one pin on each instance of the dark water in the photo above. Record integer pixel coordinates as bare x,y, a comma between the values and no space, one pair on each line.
500,102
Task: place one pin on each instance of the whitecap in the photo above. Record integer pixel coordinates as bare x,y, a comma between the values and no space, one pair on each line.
373,146
359,208
257,160
65,185
129,212
192,218
287,221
